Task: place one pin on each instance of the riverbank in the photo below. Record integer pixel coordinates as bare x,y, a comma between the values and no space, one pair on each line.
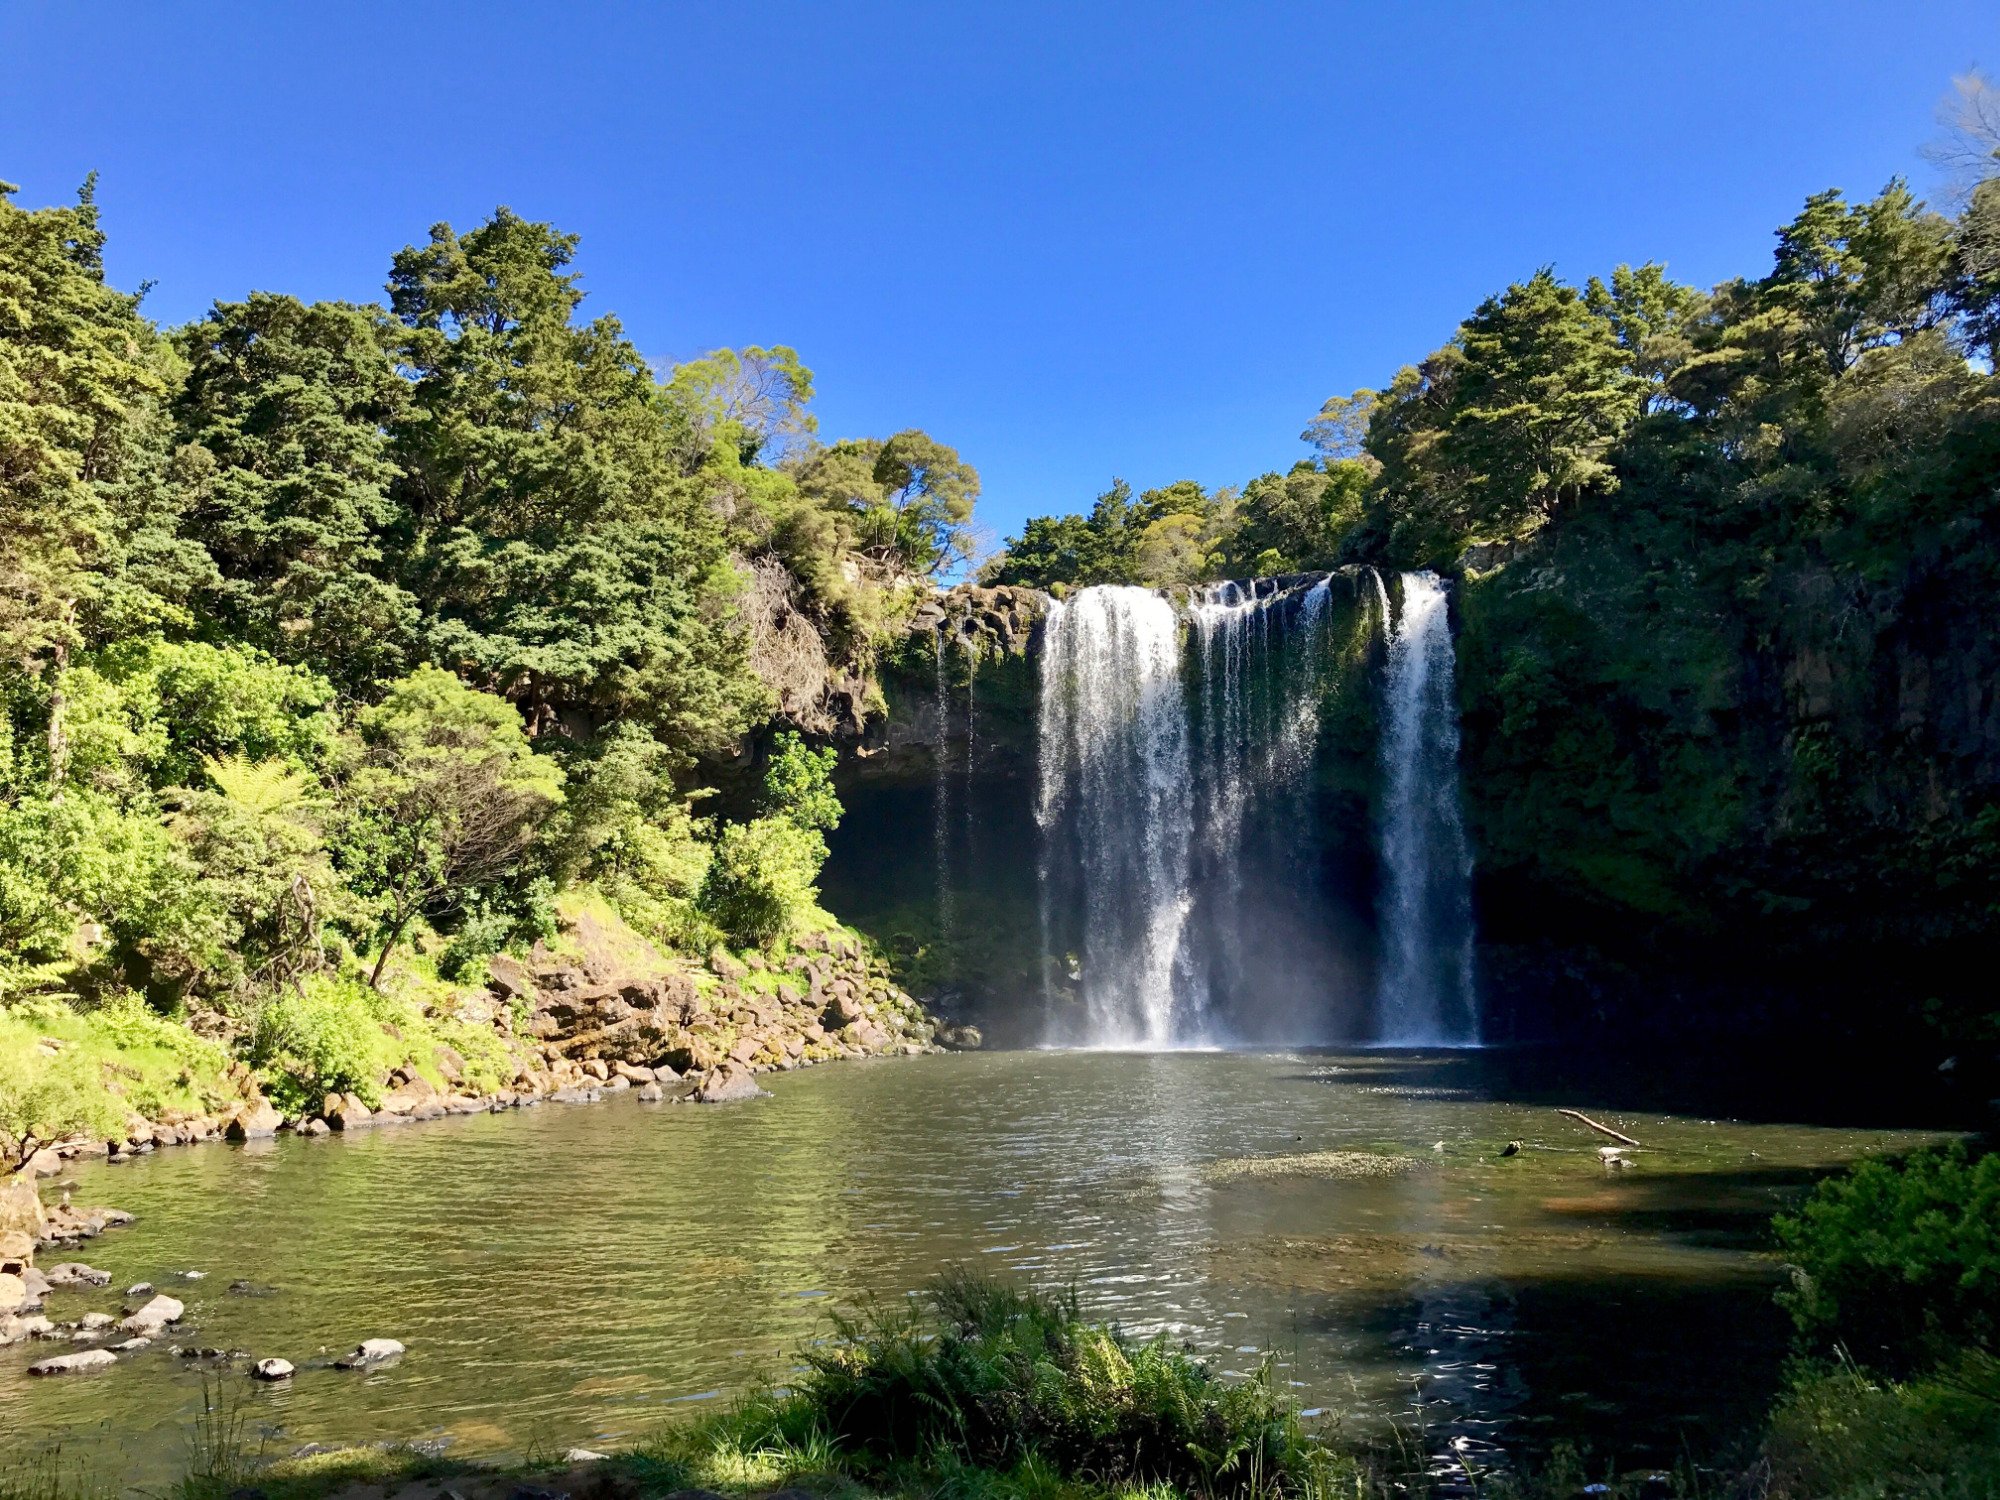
594,1010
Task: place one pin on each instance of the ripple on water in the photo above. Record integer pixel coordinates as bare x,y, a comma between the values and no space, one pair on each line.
580,1274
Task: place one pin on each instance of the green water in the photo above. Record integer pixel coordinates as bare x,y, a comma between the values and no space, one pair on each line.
581,1275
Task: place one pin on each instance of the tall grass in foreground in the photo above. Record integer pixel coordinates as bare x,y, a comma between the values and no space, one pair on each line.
974,1389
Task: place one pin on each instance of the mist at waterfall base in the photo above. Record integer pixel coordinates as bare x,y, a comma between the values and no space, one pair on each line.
1223,819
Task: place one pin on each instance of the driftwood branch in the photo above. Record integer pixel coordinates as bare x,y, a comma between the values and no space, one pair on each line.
1616,1135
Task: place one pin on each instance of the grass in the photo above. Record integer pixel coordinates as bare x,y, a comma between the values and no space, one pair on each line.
977,1388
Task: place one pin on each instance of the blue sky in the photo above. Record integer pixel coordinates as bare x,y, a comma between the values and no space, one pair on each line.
1074,240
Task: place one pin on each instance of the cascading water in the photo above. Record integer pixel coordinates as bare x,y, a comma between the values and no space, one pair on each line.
1159,766
1425,994
1114,765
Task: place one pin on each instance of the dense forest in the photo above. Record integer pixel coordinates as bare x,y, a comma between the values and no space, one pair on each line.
1726,561
330,629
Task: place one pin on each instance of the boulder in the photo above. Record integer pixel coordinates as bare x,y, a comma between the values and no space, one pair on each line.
315,1126
94,1322
727,1085
508,978
154,1316
368,1352
272,1369
37,1286
255,1121
632,1072
843,1010
44,1163
130,1346
17,1251
651,1093
960,1038
75,1364
13,1292
33,1326
347,1112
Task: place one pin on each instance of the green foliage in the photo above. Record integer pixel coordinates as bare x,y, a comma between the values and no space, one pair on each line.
444,797
287,406
1841,1435
1895,1259
798,784
761,884
974,1375
317,1038
65,1069
762,880
147,713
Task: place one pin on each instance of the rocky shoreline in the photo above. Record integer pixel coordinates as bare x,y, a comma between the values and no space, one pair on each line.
581,1026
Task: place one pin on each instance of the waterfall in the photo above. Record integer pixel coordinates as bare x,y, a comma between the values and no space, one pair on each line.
1425,995
1159,765
1115,780
941,794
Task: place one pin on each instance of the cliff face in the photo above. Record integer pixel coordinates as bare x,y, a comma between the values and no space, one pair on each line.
1781,778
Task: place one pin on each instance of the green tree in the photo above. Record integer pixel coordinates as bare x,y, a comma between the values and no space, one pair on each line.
1541,394
444,796
291,404
762,881
82,455
561,550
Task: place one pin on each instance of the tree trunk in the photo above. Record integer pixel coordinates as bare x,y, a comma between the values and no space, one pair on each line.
58,742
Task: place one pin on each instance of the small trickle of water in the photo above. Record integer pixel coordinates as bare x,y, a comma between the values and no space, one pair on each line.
1426,992
941,793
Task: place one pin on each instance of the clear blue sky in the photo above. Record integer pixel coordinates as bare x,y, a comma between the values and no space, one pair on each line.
1075,240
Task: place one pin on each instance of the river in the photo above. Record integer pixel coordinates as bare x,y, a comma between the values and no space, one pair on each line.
580,1275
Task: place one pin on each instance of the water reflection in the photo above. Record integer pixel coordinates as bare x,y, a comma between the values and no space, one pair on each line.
577,1276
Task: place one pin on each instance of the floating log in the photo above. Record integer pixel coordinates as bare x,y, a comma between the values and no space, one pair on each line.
1616,1135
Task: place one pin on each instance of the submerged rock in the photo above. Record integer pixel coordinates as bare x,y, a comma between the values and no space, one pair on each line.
76,1273
368,1352
1340,1164
74,1364
272,1369
727,1085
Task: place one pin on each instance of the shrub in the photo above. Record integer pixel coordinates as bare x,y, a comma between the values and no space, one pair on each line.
318,1038
761,882
975,1373
1899,1259
1838,1435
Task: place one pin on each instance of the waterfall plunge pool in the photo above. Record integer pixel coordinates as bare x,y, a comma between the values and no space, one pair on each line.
578,1276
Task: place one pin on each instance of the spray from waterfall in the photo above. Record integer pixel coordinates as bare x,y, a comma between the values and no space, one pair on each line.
1426,993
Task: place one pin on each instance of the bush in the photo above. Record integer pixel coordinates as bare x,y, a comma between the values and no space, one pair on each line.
1898,1260
320,1038
1838,1435
761,882
974,1373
